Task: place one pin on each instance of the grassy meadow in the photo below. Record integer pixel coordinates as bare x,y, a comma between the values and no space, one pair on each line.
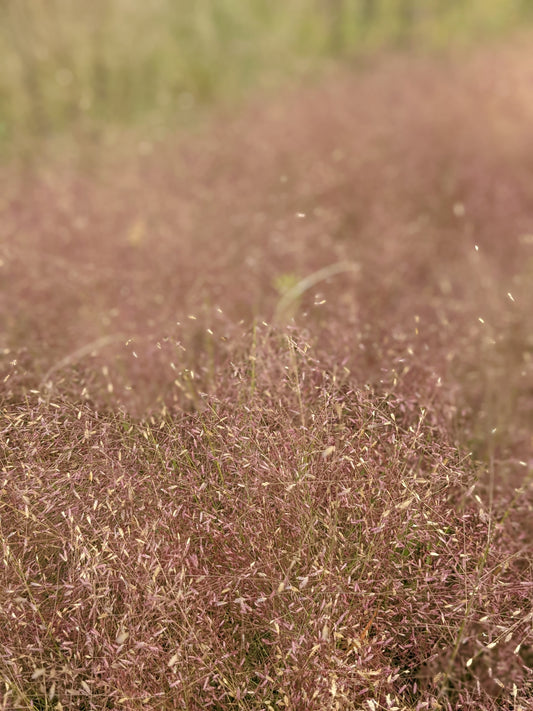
266,412
89,68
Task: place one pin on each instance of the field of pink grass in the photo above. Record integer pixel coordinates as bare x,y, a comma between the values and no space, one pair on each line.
267,405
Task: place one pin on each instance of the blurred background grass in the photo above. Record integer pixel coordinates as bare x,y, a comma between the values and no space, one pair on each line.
77,67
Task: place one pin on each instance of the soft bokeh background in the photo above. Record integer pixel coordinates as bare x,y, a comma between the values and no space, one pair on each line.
77,66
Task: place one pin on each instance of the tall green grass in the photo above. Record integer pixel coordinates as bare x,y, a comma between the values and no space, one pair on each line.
68,64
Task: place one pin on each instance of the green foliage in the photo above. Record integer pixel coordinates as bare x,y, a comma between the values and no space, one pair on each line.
71,64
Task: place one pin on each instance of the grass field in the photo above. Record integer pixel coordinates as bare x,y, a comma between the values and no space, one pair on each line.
86,68
267,399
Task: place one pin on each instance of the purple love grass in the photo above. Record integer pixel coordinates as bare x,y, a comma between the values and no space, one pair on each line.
203,509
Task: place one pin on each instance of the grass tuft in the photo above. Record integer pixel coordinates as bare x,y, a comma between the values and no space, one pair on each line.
238,556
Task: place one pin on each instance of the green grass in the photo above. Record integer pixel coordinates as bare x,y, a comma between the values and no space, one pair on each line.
69,65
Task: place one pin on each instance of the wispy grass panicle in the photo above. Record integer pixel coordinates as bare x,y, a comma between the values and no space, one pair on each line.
237,555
